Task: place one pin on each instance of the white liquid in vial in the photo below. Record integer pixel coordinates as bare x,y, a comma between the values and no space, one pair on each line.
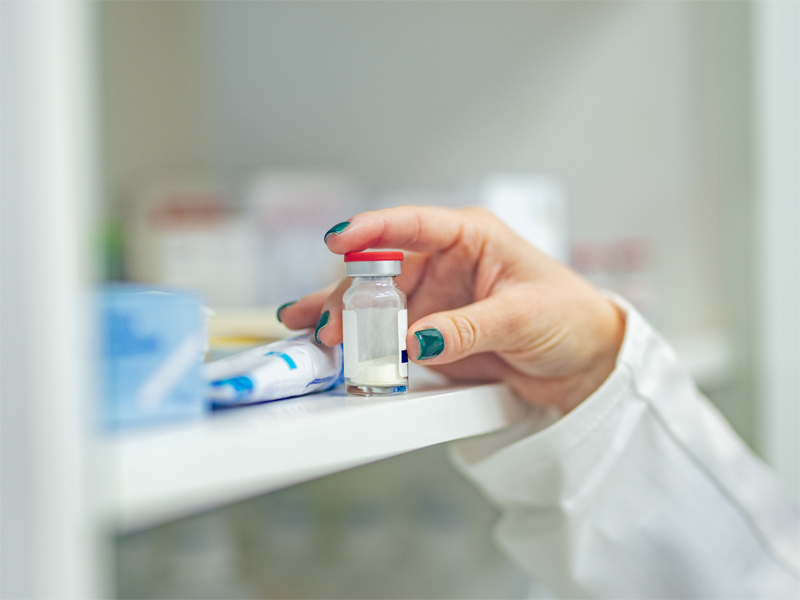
378,372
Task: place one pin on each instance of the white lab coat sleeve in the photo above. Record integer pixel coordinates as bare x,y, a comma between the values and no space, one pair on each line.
642,491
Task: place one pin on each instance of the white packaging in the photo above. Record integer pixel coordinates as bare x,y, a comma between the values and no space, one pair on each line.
290,212
284,369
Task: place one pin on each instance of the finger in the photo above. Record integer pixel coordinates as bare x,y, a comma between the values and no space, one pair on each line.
416,228
305,312
478,367
413,270
486,326
328,328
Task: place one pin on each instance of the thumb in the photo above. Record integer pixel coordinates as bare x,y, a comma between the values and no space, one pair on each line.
485,326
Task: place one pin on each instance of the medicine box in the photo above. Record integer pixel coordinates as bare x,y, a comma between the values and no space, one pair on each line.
152,345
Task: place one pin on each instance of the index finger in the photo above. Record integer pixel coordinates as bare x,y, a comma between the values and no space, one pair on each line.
415,228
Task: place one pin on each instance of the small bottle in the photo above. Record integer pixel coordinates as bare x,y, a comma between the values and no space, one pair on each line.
374,323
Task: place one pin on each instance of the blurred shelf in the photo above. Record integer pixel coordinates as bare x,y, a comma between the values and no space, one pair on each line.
168,472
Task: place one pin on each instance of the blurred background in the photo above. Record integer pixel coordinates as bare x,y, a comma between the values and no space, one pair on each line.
208,146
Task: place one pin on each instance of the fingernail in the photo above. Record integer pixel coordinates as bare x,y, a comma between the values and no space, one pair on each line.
323,320
281,307
338,228
431,343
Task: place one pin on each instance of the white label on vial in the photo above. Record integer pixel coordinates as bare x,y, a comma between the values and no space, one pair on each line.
402,330
350,331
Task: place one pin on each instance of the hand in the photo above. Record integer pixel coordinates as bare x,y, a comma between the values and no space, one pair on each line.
503,310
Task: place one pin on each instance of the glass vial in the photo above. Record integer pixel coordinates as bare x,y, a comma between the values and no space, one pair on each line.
374,323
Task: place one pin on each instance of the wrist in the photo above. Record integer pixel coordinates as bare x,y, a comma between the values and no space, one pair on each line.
610,336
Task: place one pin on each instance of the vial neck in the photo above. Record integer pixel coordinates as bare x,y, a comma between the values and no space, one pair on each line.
374,279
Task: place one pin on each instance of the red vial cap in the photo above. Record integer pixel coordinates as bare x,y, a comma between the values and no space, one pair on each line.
372,256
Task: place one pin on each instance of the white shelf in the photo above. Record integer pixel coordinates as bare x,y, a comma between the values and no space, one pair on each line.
167,472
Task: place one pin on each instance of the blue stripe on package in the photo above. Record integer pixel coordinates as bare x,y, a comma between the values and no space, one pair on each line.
284,369
152,350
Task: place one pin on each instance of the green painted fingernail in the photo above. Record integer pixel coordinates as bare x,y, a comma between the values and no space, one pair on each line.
323,320
281,307
431,343
338,228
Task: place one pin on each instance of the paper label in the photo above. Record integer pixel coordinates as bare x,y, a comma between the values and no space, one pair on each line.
402,330
350,333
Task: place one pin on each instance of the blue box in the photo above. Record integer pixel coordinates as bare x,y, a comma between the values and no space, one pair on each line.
152,345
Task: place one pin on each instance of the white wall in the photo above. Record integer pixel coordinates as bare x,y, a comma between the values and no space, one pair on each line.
158,116
777,67
609,97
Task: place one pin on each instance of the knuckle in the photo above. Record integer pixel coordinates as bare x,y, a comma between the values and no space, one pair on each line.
479,213
465,333
483,222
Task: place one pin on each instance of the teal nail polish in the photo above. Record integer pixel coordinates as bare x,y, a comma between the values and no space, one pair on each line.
431,343
323,320
338,228
281,307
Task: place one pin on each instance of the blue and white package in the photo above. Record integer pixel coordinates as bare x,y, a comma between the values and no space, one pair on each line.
152,348
290,367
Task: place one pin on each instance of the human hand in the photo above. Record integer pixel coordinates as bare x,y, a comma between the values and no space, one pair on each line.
484,304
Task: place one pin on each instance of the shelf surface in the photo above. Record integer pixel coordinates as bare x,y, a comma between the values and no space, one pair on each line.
174,470
168,472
